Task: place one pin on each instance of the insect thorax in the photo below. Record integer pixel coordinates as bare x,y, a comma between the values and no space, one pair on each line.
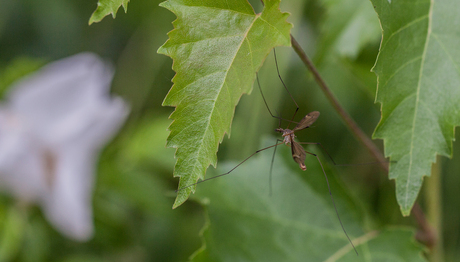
287,134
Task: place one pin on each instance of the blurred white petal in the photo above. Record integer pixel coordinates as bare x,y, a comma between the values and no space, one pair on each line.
52,127
19,159
68,204
60,91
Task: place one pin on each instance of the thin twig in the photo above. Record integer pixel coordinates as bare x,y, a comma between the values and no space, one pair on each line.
426,233
350,123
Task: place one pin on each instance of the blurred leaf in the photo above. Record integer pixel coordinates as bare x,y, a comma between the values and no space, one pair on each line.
36,244
297,223
217,46
146,145
347,27
83,258
419,79
16,69
107,7
143,76
5,13
12,233
141,157
391,244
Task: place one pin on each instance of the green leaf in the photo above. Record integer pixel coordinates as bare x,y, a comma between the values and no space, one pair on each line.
12,234
348,26
418,88
107,7
217,46
144,149
296,223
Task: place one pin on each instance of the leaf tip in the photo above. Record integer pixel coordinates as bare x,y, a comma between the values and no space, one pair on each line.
164,4
182,196
406,211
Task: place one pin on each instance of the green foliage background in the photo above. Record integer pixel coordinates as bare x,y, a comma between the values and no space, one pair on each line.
135,187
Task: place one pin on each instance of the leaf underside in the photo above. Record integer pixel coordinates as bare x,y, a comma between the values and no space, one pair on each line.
418,69
107,7
217,47
301,225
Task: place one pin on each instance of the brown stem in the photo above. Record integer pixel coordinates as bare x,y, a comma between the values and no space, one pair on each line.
426,233
350,123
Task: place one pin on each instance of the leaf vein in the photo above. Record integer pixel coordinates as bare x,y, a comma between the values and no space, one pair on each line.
217,8
400,68
446,51
417,100
412,23
206,39
271,25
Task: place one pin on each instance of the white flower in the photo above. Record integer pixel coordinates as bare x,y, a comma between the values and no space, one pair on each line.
52,126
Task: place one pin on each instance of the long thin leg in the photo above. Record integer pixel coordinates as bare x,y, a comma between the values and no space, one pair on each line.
265,101
271,168
260,150
333,202
279,124
285,87
317,143
335,164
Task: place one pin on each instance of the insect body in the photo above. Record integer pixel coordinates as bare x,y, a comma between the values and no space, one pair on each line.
298,153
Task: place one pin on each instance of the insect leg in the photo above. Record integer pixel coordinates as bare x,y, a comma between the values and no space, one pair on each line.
333,202
260,150
271,167
335,164
285,87
265,101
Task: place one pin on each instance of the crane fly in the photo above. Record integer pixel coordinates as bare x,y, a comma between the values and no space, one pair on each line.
298,152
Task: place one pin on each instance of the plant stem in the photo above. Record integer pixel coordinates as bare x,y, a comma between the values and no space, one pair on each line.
426,232
349,122
434,209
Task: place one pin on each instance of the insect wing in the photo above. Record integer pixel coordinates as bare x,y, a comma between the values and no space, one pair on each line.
309,119
298,154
